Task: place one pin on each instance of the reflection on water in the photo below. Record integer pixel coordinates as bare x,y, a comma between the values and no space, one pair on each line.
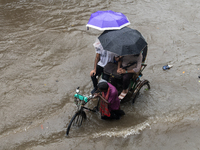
46,53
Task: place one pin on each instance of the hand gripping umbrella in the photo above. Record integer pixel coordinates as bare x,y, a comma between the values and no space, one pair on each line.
107,20
125,41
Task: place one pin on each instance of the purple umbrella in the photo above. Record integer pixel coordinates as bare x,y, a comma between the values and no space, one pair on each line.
107,20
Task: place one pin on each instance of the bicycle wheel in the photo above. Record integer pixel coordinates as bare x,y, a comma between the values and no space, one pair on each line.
141,88
76,120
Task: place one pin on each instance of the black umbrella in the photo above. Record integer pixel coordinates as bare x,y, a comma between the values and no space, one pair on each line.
125,41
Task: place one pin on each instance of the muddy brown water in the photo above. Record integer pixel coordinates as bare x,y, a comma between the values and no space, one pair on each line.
46,53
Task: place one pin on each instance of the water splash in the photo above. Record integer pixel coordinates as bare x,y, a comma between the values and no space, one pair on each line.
133,130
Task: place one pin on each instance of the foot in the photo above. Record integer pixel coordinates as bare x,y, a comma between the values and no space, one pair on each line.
95,109
122,95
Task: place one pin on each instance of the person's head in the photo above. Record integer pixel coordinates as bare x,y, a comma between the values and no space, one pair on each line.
103,86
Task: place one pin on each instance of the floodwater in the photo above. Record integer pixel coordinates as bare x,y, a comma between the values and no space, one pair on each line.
46,53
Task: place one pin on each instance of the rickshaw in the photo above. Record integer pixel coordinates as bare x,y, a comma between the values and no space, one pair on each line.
136,87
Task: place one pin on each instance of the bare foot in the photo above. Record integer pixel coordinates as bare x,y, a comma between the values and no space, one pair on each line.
123,94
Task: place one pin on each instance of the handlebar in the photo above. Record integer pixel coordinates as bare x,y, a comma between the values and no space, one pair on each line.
83,98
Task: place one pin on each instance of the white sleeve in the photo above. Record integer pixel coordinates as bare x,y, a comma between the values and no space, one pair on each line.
98,47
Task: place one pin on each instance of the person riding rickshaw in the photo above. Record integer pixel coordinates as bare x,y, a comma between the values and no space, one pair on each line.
122,41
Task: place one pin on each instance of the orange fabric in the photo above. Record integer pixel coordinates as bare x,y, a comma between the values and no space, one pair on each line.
103,105
107,94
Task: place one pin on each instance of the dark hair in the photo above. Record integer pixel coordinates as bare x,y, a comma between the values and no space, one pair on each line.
103,86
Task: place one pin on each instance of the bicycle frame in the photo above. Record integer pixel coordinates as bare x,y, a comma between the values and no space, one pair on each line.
134,82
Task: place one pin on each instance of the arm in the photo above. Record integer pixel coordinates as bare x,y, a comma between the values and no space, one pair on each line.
97,58
119,65
103,99
99,95
123,71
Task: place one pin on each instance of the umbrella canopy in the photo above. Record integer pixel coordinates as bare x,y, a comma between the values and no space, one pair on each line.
107,20
125,41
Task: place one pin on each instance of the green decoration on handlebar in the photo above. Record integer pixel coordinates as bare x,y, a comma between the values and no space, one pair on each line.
81,97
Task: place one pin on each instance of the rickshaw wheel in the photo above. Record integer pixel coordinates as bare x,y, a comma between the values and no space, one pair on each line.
76,120
141,87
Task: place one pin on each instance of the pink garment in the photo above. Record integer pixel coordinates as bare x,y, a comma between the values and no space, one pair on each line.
113,99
